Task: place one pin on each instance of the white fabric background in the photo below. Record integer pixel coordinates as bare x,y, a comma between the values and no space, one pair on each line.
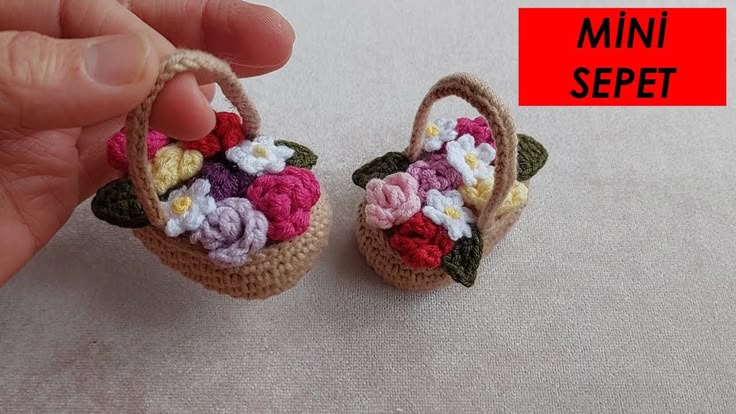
614,293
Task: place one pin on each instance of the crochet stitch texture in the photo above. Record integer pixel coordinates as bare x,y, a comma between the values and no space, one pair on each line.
226,247
466,181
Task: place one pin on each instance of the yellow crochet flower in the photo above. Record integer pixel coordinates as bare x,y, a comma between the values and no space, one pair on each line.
476,196
172,165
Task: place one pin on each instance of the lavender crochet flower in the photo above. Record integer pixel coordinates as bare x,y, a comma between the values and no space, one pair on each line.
434,173
232,232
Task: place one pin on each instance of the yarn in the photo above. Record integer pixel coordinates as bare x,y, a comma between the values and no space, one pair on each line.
420,243
231,232
303,157
380,167
209,146
462,262
285,199
447,210
531,158
478,128
477,196
229,129
434,173
438,134
187,207
228,133
391,201
172,165
274,269
117,204
260,156
226,179
473,163
116,148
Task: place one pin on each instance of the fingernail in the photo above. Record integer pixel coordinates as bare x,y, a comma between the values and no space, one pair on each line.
118,60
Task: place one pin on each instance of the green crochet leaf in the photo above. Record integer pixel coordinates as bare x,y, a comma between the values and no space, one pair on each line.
117,204
380,167
303,157
531,159
463,260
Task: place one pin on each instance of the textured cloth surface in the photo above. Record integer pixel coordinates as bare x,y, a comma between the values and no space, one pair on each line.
614,292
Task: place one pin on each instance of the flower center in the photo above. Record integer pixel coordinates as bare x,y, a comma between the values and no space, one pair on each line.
452,213
260,151
471,160
181,205
432,131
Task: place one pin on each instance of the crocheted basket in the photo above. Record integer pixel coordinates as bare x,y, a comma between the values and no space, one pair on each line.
414,227
271,269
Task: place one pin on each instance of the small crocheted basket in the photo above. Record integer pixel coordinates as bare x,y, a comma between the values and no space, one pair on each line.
236,211
433,211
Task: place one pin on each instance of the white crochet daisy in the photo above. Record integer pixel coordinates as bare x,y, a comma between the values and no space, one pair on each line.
447,210
473,163
438,133
186,208
260,156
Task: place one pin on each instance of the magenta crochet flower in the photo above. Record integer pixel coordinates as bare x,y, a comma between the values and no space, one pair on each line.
391,201
231,232
286,199
434,173
116,148
478,128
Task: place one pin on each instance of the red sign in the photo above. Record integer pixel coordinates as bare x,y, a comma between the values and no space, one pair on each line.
630,56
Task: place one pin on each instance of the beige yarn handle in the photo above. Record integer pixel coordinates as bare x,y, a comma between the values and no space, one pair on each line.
482,98
136,127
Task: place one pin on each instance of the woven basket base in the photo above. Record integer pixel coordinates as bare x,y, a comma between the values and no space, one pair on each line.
384,260
269,272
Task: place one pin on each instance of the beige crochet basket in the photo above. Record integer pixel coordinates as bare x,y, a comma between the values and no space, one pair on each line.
269,271
493,226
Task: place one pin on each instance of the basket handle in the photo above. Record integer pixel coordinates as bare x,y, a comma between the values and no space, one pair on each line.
482,98
136,128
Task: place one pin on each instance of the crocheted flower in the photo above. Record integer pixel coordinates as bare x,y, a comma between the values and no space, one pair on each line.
447,210
116,148
228,133
286,200
420,243
391,201
434,173
260,156
226,179
438,133
478,128
232,232
187,207
477,196
172,165
471,162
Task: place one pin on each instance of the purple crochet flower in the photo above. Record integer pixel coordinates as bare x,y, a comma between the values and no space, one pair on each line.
478,128
226,179
232,232
434,173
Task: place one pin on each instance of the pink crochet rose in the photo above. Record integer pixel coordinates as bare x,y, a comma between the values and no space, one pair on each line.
478,128
116,148
391,201
286,199
434,173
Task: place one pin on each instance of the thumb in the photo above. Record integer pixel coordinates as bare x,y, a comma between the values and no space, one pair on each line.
60,83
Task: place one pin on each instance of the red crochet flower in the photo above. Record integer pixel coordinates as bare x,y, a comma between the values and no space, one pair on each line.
420,242
286,200
478,128
228,133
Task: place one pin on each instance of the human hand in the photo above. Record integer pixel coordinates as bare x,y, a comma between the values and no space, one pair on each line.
71,69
